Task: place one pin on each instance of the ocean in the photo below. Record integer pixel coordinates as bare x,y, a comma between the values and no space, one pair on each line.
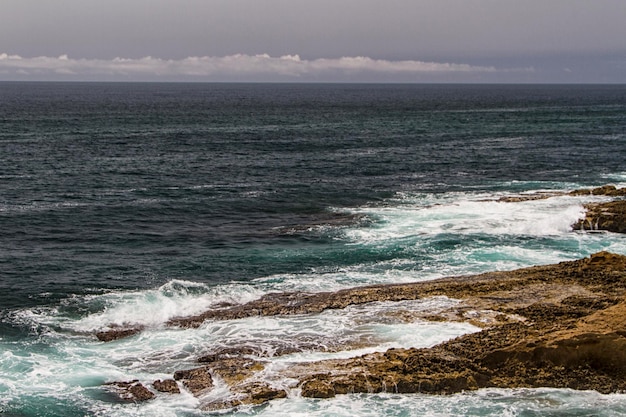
139,202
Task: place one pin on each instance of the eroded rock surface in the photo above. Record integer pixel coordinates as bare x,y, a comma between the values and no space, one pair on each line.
561,326
608,190
197,380
609,216
571,338
132,391
605,190
117,332
168,385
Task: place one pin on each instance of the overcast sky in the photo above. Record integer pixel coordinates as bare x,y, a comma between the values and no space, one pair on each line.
322,40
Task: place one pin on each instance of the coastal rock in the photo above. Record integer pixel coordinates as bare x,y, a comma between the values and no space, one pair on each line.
608,190
197,380
558,325
275,348
168,385
609,216
254,393
561,326
235,370
133,391
118,333
259,393
576,340
239,374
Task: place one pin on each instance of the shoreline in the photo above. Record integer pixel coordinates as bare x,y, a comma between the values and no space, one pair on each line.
558,326
605,216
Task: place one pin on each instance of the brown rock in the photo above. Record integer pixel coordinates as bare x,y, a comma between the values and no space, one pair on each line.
235,370
197,380
610,216
132,391
574,337
168,385
608,190
560,325
259,393
318,387
118,333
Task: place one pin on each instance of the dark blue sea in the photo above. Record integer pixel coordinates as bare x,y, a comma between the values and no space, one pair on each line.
136,203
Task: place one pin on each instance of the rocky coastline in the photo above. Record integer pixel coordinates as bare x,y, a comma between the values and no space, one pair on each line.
561,326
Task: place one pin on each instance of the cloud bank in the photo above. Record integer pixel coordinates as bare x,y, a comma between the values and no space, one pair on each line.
239,67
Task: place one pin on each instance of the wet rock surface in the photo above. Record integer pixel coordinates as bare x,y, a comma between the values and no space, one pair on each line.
561,326
197,380
168,385
605,190
606,216
132,391
609,216
118,333
608,190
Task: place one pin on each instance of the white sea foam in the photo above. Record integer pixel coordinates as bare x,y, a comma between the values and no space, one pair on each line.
66,366
482,403
427,235
479,214
152,308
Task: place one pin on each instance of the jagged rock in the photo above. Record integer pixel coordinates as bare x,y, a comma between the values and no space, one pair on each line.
238,373
168,385
561,326
118,333
132,391
259,393
317,387
609,216
235,370
576,339
608,190
197,380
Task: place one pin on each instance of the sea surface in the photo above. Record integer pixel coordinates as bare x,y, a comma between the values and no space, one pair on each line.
136,203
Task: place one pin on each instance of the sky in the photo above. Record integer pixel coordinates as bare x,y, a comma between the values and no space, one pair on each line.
475,41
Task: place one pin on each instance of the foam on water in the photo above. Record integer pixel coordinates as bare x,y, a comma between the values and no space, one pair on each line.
466,214
418,237
482,403
459,233
152,308
71,368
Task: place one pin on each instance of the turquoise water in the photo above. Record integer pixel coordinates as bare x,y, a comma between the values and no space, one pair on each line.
141,202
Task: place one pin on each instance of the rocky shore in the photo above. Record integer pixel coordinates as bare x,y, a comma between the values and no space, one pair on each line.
561,326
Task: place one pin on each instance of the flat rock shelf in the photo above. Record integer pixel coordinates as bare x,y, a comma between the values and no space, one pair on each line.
561,326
